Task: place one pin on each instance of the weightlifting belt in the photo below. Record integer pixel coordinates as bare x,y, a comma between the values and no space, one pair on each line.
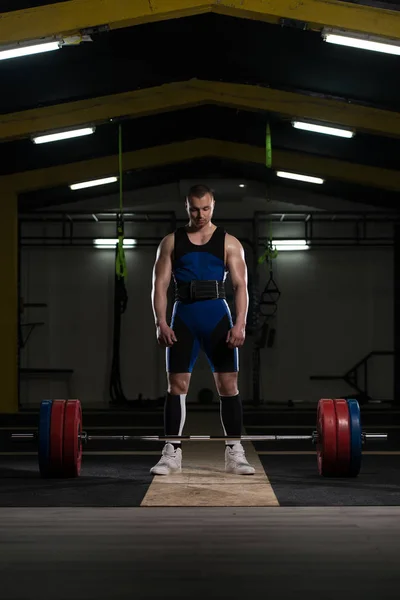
190,291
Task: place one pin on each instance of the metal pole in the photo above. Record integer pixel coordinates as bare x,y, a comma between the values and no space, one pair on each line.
255,311
200,438
19,308
396,312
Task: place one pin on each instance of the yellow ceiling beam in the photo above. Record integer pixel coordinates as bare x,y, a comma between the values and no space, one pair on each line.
177,96
157,156
77,15
181,152
308,164
317,13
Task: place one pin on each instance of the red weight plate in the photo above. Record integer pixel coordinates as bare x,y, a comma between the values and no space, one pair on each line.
72,457
343,438
326,445
57,437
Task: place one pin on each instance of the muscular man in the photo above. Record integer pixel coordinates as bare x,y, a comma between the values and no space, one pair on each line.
199,257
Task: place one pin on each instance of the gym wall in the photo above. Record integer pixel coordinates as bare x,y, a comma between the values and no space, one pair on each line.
335,307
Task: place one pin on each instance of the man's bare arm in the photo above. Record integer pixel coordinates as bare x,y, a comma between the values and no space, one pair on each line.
238,270
161,279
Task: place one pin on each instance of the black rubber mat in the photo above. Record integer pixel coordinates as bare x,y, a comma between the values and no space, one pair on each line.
296,482
105,481
122,481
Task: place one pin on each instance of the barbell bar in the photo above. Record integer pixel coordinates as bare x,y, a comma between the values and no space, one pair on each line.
85,437
338,438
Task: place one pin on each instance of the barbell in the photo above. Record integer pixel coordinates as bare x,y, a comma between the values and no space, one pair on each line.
338,438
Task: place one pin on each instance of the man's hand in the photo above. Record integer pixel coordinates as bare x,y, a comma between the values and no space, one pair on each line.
165,335
236,336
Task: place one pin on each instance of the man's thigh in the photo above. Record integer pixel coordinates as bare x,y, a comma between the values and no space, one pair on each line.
182,355
222,359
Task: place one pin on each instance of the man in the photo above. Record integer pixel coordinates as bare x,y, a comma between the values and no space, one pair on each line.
199,256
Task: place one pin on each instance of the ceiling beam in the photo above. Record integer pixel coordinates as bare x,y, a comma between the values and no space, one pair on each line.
181,152
77,15
182,95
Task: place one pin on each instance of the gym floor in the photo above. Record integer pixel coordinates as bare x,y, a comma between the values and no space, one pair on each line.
117,532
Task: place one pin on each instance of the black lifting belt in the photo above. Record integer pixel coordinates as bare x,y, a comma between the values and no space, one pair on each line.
189,291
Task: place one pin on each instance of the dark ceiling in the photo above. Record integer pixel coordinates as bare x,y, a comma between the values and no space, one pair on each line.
207,47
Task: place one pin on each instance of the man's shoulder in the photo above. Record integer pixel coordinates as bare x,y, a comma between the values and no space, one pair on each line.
168,241
232,240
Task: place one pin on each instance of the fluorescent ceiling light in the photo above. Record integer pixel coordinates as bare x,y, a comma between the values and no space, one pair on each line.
111,243
345,133
63,135
299,177
285,245
352,40
28,50
93,183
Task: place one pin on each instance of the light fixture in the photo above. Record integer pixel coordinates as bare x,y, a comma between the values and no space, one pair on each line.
63,135
287,245
345,133
34,48
299,177
93,183
242,185
355,40
111,243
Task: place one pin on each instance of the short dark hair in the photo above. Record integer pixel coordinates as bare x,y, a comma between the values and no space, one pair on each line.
199,190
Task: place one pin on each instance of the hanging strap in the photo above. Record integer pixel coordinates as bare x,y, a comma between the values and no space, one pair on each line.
270,295
270,251
120,262
268,147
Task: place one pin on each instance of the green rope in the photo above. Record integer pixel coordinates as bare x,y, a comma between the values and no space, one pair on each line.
120,262
270,251
121,208
268,147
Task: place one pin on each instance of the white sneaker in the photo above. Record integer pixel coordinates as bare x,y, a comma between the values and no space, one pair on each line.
170,461
236,462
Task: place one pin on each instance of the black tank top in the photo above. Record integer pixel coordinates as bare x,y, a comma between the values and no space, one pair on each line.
205,262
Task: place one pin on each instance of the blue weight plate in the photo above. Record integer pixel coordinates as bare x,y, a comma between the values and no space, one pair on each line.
44,437
356,437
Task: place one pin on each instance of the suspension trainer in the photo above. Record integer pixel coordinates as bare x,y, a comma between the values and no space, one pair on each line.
120,293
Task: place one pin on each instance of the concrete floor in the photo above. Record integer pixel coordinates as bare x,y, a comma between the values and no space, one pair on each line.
135,553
